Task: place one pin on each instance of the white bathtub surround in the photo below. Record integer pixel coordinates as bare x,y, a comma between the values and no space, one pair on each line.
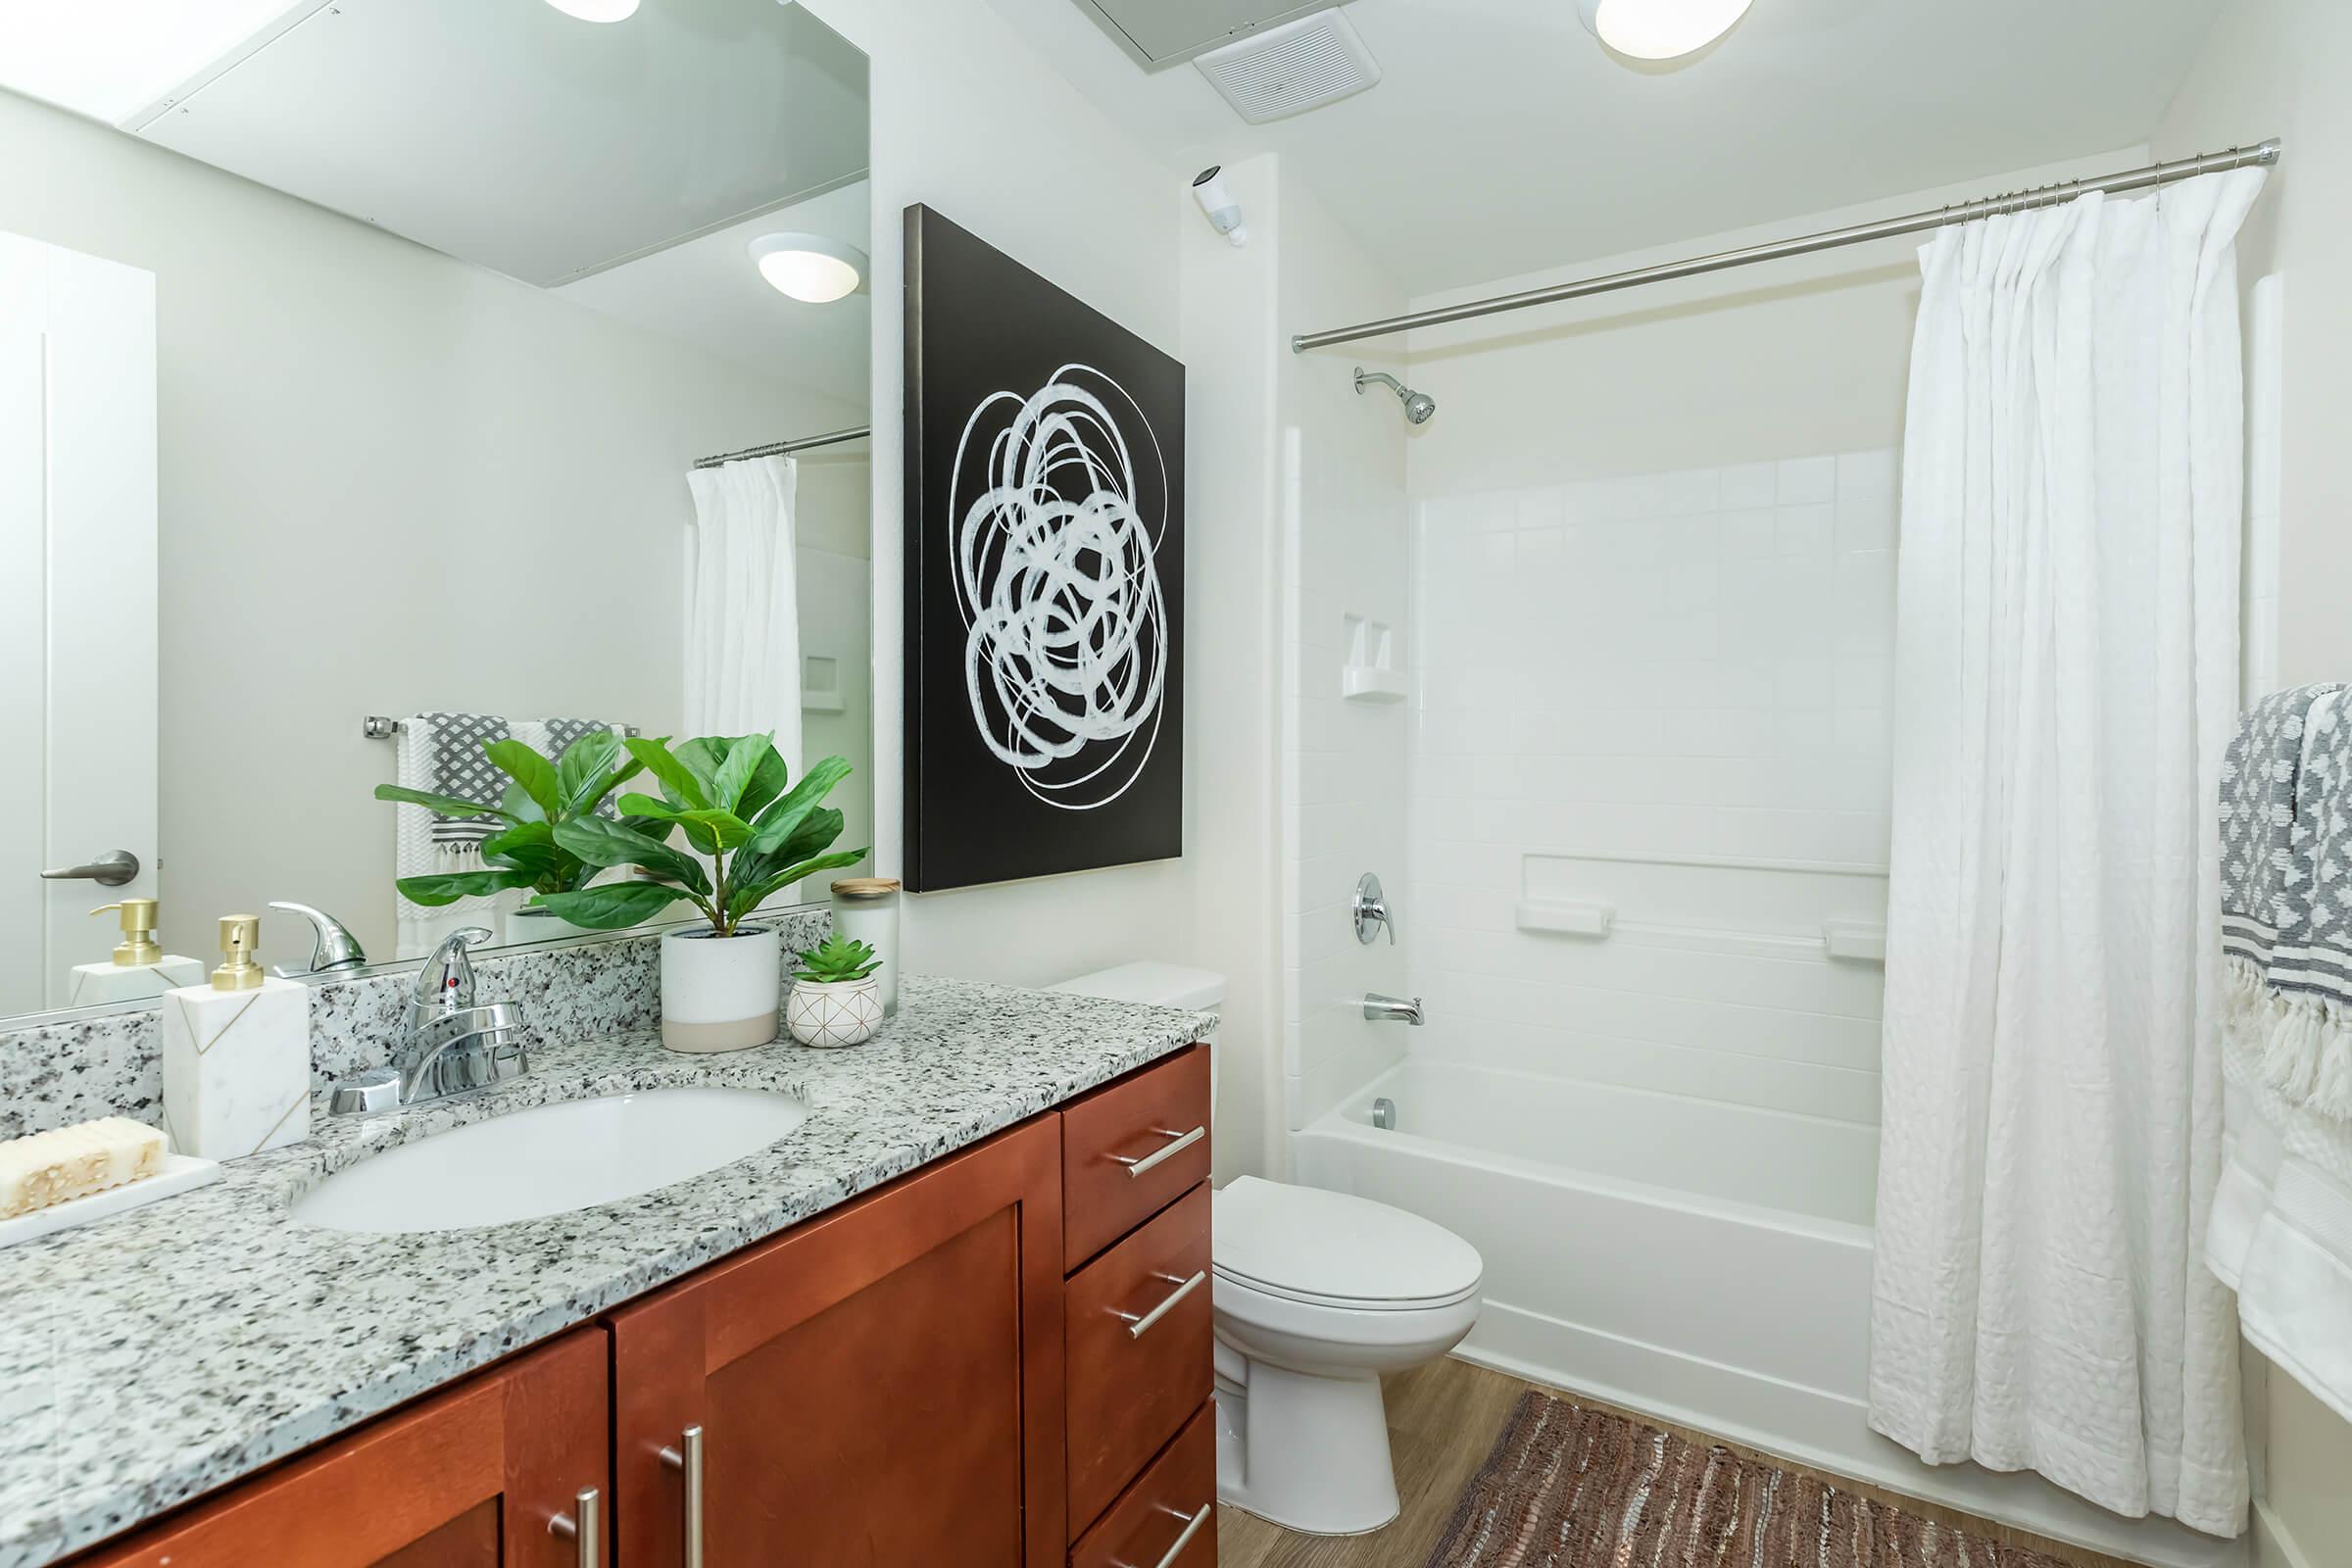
742,627
720,993
1705,1262
236,1068
833,1013
2065,679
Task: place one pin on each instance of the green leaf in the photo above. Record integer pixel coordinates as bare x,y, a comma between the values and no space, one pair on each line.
601,843
683,786
527,768
817,829
637,807
610,905
517,804
776,823
747,897
735,774
769,780
446,805
435,891
583,763
836,959
530,846
702,757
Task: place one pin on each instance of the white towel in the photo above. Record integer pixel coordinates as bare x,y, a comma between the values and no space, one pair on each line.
418,852
2281,1233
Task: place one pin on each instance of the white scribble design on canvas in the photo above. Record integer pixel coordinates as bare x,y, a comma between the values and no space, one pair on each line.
1066,653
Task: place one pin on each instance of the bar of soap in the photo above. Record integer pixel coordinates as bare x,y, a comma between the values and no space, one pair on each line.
45,1168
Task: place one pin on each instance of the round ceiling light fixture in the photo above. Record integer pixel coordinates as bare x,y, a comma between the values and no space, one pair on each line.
813,268
597,9
1659,30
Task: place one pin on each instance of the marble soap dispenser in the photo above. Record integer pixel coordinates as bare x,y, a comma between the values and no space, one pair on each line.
237,1056
141,968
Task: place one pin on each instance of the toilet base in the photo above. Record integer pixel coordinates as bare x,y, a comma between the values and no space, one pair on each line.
1305,1450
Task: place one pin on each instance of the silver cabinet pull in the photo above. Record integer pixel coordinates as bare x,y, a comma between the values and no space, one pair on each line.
108,870
1191,1527
689,1465
1137,1325
584,1526
1178,1144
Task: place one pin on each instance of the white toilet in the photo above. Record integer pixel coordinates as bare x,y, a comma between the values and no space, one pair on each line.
1317,1295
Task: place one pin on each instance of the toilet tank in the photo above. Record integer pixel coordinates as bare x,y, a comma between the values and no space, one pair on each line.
1160,984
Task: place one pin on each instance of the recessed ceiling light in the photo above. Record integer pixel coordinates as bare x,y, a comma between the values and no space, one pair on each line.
1660,29
597,9
811,267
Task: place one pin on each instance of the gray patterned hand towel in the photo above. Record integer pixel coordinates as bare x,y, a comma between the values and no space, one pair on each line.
2286,896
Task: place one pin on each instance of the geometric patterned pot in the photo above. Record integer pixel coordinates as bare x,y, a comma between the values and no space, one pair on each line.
828,1014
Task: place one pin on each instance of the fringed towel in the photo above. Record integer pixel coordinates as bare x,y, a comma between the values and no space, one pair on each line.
2281,1233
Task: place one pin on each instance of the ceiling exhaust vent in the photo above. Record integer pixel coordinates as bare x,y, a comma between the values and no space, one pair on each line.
1289,70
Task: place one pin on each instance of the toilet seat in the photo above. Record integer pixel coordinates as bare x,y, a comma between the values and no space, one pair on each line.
1334,1249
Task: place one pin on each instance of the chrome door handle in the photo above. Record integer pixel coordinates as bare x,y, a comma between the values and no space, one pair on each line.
108,870
1137,1325
1191,1527
584,1526
1180,1141
689,1466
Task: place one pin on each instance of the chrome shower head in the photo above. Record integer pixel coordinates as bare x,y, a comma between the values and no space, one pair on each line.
1419,406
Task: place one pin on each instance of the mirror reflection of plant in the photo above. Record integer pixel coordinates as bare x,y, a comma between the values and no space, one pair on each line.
539,798
836,959
734,801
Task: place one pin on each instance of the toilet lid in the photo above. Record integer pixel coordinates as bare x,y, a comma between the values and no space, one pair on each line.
1309,1244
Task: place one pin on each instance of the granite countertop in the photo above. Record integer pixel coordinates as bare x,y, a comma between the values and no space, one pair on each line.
155,1356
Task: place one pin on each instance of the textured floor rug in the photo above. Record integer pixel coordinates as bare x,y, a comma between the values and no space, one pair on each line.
1568,1487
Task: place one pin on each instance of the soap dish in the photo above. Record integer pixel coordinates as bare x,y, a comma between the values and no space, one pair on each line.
182,1173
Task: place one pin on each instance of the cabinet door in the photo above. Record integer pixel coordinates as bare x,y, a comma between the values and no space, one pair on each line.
879,1386
467,1478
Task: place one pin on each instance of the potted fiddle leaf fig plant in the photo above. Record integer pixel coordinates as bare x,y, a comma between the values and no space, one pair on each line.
540,796
834,999
753,832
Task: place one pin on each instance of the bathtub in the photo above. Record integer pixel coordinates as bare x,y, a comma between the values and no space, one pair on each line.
1703,1262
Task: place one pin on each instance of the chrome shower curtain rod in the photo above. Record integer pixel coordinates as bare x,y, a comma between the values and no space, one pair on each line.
2264,154
777,449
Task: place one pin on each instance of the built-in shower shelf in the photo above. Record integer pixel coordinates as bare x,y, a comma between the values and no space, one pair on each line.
1369,673
1569,917
1368,684
1795,911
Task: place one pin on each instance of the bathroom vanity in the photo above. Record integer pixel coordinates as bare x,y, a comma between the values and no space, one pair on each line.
960,1316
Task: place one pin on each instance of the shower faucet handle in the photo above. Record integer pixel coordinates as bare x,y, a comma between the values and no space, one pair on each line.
1371,910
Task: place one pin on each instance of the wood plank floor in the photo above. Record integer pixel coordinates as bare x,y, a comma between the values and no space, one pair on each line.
1442,1419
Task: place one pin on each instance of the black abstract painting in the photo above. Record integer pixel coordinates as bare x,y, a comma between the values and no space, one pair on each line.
1044,575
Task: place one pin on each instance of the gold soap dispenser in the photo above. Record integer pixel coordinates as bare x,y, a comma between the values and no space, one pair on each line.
141,968
237,1055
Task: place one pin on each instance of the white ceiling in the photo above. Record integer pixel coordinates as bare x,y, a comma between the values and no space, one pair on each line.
1502,139
708,293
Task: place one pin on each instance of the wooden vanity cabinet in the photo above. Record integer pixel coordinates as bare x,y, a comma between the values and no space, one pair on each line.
880,1386
467,1478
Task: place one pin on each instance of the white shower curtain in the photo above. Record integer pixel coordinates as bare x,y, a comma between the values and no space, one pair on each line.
742,618
2065,681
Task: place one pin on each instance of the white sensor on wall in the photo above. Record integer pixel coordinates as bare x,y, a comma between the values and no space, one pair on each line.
1224,212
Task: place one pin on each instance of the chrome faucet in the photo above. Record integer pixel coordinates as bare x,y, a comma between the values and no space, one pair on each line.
332,946
449,1042
1391,1009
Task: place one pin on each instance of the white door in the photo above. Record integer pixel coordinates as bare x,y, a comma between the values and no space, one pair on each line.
77,615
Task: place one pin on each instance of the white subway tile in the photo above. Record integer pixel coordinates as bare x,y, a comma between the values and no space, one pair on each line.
1750,484
1803,481
1805,531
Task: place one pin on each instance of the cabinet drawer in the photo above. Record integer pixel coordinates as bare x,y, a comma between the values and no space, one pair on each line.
1139,1356
1168,1518
1130,1148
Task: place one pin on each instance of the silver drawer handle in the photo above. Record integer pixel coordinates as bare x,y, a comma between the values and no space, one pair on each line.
1181,1141
1191,1527
689,1466
1136,1326
582,1525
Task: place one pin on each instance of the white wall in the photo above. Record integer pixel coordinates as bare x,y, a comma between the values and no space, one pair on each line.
1665,695
1348,551
389,481
2279,68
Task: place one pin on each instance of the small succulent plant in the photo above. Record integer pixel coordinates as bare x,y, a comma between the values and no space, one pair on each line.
836,959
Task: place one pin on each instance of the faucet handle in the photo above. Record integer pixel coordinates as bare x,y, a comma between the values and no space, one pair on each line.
1371,908
445,982
332,946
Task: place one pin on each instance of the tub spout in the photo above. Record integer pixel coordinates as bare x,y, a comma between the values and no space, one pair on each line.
1391,1009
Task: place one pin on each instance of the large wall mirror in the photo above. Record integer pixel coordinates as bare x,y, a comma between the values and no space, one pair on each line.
357,358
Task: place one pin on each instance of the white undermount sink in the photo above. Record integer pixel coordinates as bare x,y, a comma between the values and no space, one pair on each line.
551,1159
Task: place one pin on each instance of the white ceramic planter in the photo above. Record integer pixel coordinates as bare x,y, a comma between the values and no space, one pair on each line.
720,993
834,1012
